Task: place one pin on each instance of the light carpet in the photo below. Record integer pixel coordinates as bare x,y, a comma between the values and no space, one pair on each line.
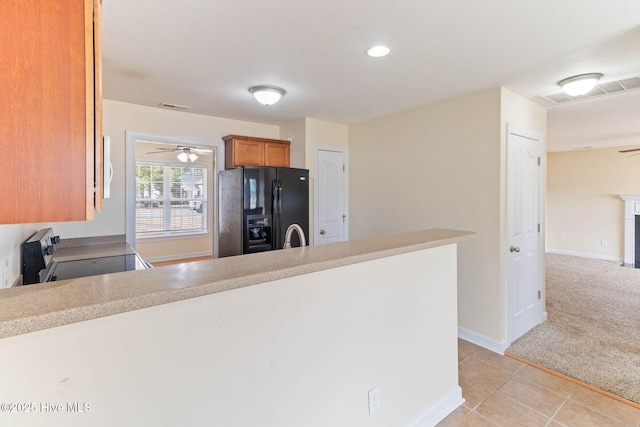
592,332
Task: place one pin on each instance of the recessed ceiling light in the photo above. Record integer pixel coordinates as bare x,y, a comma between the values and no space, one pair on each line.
378,51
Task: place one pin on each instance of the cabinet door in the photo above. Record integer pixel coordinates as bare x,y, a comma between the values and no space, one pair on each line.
276,154
47,110
247,153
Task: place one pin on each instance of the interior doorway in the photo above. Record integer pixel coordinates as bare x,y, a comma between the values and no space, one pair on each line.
171,193
525,274
331,219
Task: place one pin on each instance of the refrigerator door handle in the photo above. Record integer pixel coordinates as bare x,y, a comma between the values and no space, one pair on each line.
276,209
279,197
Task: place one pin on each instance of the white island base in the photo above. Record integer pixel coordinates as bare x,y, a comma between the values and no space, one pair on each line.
297,351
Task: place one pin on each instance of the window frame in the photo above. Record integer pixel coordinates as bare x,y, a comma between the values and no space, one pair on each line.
167,199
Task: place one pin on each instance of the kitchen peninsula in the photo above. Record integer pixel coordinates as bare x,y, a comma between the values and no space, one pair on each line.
198,343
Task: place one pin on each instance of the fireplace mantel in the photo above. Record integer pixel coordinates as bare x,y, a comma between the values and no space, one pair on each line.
631,209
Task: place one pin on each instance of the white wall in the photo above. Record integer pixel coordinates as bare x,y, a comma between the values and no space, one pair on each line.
302,351
443,165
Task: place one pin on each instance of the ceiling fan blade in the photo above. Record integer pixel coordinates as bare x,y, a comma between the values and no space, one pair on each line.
158,152
629,151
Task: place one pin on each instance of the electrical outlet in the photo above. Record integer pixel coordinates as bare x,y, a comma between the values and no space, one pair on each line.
604,243
562,238
374,400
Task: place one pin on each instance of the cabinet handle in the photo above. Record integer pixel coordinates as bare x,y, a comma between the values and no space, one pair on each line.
323,232
514,249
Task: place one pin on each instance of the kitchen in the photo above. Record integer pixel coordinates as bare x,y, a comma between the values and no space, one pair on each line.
467,171
46,319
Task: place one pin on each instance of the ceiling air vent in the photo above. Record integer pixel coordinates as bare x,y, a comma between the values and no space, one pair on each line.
175,106
622,84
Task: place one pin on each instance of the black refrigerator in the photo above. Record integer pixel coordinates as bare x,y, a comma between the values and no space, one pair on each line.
257,204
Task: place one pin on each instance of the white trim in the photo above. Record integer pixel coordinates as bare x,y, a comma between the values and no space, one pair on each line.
176,236
484,342
584,255
631,209
130,171
176,257
440,410
316,205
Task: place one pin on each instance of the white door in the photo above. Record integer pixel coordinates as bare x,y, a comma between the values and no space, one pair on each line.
331,196
524,259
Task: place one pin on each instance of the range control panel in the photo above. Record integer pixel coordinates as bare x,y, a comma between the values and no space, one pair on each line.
37,256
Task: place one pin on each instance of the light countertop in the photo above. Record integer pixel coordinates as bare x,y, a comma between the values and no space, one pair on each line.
35,307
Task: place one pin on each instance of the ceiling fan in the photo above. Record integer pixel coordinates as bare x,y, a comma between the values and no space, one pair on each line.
186,153
630,151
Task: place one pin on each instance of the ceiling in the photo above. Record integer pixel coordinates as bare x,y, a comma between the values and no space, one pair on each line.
207,53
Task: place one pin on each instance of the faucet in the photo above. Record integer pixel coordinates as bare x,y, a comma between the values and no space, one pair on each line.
287,236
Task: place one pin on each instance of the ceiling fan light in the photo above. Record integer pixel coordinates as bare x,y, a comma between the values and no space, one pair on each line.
267,95
183,157
193,157
579,85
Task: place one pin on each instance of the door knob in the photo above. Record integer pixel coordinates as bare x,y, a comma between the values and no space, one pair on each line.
323,232
514,249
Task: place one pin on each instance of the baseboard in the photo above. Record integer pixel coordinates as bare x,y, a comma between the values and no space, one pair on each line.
440,410
485,342
584,255
174,257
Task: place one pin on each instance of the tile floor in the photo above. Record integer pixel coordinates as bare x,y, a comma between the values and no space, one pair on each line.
501,391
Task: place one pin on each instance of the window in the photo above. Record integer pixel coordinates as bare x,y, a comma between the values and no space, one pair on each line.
171,199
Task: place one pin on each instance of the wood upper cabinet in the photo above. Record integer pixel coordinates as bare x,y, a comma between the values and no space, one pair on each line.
49,118
252,151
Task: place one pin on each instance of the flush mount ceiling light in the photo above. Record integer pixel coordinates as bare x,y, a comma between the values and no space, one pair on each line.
579,85
267,95
378,51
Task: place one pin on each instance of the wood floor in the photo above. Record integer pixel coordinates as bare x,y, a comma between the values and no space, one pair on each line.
180,261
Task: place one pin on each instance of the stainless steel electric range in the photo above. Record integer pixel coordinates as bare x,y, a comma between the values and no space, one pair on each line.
39,263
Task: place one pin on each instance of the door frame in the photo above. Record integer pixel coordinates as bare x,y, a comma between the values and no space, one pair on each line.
130,177
316,186
538,138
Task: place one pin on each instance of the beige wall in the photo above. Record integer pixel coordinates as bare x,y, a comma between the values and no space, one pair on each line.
519,111
584,206
443,165
164,248
437,166
120,117
305,134
13,235
296,133
302,351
